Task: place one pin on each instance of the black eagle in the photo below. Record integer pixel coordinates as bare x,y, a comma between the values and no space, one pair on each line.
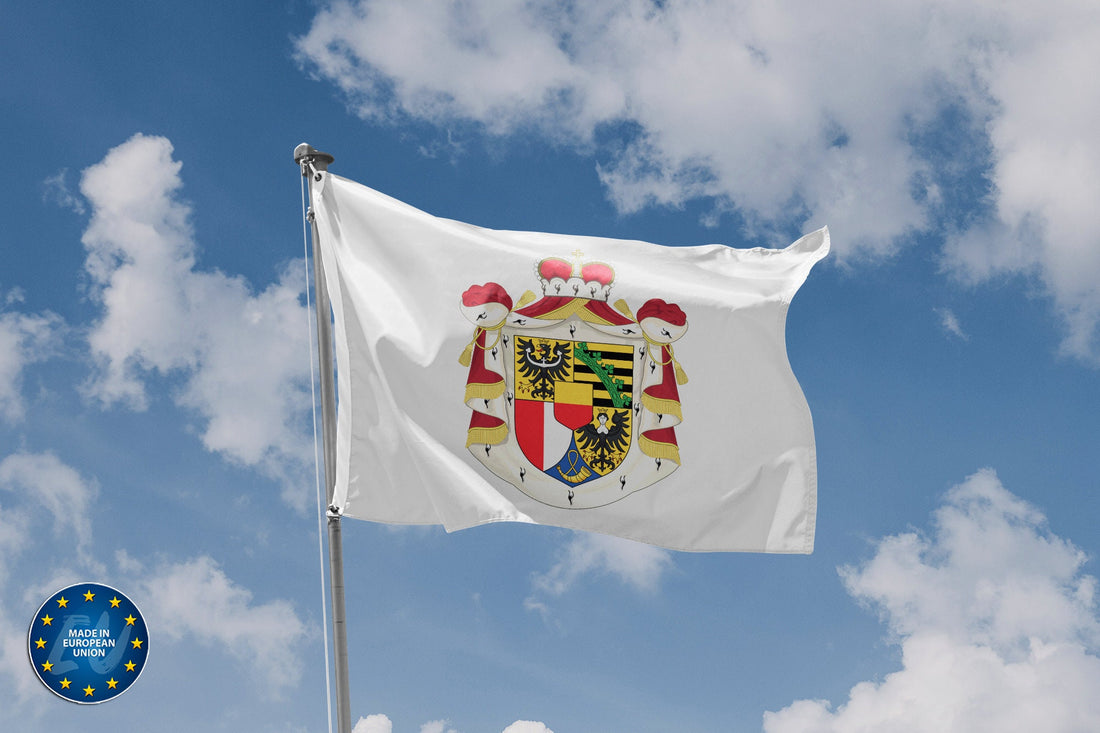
605,441
542,364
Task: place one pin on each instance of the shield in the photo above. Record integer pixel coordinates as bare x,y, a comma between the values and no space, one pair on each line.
573,405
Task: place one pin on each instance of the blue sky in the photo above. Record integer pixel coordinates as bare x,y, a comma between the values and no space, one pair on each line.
155,431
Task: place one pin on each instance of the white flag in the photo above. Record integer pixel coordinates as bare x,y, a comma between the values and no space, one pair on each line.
606,385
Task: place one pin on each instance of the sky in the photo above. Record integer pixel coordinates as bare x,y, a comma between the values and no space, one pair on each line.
156,429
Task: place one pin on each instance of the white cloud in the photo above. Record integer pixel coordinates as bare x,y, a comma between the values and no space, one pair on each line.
950,323
789,112
379,723
24,339
373,724
196,599
637,565
1047,159
742,101
56,188
527,726
997,624
991,574
244,355
61,492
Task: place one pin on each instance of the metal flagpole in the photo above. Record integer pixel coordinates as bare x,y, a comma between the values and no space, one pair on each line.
312,162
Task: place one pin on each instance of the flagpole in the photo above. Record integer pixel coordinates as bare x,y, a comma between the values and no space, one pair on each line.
312,162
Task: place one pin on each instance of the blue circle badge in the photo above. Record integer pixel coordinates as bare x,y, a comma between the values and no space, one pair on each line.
88,643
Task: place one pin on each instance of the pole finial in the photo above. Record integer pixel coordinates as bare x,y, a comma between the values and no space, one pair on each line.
306,153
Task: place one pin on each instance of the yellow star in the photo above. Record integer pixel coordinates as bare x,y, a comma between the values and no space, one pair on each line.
130,666
112,683
65,683
40,643
114,602
130,620
47,620
46,667
136,643
89,596
62,601
88,691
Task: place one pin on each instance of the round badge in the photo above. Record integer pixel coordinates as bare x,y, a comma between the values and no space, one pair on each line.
88,643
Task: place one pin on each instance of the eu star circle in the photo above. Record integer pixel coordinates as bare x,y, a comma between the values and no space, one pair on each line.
88,643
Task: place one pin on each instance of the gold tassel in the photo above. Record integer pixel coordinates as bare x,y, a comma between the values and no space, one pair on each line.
524,299
623,308
467,355
681,375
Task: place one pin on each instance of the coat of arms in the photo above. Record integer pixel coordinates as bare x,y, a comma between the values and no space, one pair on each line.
574,401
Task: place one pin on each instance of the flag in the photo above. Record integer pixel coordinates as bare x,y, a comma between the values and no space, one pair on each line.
605,385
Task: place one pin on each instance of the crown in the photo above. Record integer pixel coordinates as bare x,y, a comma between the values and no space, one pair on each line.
590,280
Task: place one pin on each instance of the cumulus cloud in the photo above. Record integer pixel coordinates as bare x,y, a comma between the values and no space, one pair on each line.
964,120
527,726
997,625
24,339
746,102
373,724
1046,163
636,565
243,355
197,599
